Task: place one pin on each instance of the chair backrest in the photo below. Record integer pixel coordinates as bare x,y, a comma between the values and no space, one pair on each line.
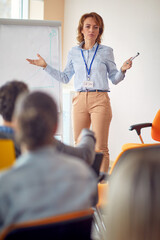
75,225
97,162
7,153
155,130
145,150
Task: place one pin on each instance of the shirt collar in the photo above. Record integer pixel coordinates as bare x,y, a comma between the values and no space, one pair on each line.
28,155
93,48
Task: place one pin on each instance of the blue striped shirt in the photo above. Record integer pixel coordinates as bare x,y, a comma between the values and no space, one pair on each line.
103,68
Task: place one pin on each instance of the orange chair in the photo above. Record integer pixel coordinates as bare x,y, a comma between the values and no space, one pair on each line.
72,226
149,150
155,134
7,153
145,149
155,131
155,128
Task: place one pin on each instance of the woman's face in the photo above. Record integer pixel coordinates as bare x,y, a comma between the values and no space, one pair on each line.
90,29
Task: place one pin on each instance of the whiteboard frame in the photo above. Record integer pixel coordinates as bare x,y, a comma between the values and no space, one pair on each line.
9,21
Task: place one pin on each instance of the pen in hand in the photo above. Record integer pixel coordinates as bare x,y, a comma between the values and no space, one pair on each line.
131,59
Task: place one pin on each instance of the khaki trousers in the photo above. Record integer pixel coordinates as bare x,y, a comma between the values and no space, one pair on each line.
93,109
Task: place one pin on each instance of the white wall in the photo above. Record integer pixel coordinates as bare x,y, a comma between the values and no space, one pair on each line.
36,9
130,27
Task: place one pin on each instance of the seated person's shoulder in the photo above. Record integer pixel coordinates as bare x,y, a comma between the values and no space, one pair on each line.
76,165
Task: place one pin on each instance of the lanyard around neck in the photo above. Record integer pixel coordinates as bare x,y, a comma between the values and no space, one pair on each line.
89,70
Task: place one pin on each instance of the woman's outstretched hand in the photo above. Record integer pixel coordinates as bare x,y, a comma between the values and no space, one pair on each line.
126,65
38,62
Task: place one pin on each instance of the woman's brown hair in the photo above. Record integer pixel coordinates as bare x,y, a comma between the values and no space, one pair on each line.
99,21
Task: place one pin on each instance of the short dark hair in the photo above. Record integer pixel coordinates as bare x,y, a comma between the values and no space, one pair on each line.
36,115
8,95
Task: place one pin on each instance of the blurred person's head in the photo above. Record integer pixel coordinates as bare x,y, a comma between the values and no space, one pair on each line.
36,119
133,211
8,95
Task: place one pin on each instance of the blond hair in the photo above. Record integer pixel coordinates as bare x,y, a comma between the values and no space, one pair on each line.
133,210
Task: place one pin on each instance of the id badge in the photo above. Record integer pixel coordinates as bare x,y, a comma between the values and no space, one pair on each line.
88,84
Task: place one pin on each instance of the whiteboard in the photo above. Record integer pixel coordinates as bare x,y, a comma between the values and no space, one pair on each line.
21,39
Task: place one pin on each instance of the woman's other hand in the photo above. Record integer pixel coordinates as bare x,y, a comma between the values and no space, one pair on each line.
38,62
126,65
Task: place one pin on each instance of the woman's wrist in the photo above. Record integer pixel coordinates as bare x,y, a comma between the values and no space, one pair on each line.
45,66
122,70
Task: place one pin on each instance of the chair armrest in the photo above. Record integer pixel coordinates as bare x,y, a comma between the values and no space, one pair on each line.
139,126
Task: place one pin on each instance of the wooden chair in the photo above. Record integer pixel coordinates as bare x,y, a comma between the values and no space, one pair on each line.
7,153
72,226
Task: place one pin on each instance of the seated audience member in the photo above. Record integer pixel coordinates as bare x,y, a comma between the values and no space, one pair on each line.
133,210
43,182
8,95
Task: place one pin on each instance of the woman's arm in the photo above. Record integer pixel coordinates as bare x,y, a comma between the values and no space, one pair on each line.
114,75
60,76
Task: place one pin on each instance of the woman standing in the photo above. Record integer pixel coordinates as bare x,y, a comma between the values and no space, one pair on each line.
92,64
